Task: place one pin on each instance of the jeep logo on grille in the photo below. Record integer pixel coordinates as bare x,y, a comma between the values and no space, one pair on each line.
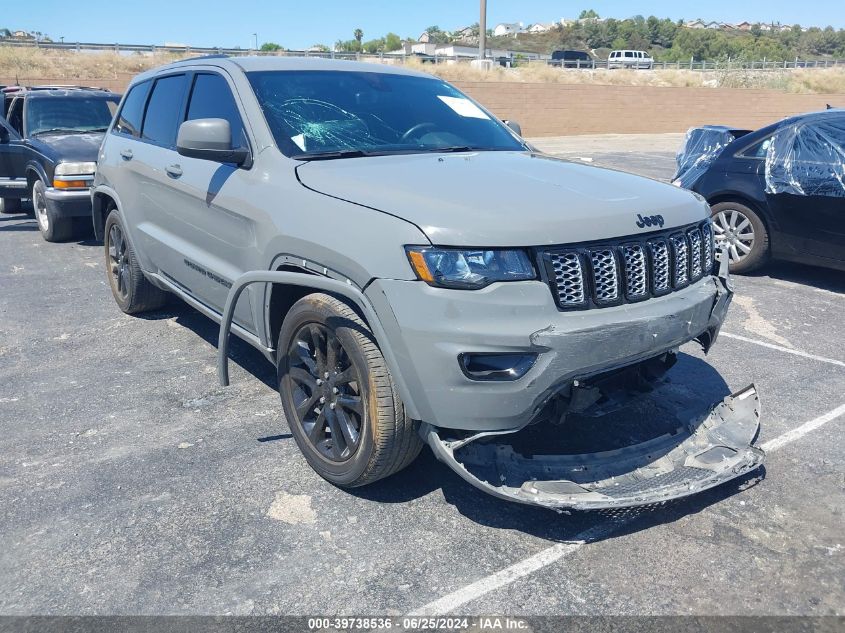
650,220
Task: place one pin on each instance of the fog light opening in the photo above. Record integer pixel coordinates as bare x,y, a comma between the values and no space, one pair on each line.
495,366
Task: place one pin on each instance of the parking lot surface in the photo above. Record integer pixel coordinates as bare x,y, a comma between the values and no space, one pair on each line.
130,482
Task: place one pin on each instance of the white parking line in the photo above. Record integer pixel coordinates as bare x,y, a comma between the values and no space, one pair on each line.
552,554
780,348
800,431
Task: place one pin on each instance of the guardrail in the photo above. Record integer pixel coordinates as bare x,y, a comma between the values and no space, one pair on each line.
692,64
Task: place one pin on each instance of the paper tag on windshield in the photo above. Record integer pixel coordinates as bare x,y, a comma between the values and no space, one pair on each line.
299,139
464,107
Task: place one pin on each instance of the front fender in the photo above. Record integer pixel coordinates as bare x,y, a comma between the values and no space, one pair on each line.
346,290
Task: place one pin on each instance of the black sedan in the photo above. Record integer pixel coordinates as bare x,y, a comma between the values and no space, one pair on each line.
778,192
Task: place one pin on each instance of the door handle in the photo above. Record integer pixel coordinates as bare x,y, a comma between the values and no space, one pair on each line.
174,171
126,154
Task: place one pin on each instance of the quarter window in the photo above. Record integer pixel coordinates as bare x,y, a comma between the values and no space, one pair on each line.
164,111
132,112
211,98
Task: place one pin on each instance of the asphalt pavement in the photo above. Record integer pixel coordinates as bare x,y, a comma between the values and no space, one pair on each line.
131,483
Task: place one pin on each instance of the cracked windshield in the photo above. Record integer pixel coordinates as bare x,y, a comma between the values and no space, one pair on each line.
327,114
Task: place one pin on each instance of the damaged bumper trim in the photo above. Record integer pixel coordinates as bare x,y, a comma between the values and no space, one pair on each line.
698,456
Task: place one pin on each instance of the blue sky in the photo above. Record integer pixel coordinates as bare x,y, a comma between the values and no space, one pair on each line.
301,23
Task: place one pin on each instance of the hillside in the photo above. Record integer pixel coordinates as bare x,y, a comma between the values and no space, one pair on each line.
668,41
29,65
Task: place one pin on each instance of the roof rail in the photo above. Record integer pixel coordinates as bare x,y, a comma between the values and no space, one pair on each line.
200,58
51,87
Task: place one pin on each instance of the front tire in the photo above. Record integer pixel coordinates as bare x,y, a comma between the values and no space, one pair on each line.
741,230
132,292
338,396
53,227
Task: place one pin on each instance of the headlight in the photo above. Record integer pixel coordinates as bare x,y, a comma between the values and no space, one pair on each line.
469,269
75,169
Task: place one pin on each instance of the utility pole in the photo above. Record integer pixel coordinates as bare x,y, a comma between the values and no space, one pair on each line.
255,35
482,31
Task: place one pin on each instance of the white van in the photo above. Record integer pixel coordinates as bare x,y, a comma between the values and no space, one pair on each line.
630,59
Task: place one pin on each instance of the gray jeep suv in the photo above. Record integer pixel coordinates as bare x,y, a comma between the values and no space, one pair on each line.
417,273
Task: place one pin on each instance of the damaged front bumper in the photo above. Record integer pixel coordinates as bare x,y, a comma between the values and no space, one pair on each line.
701,453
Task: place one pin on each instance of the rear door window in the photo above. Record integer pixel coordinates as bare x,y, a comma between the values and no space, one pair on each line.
132,112
164,111
211,98
629,54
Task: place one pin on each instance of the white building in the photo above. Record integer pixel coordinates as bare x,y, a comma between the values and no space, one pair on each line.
540,28
508,29
468,52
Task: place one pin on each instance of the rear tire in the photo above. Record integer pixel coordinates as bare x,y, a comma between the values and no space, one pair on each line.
326,351
744,233
53,227
131,290
10,205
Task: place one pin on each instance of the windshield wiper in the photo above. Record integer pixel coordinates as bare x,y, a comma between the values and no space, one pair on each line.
342,153
63,130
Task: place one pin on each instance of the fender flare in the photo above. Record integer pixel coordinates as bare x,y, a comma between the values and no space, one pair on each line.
346,290
38,168
111,193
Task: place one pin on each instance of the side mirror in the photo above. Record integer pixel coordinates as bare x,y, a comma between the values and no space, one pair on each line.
209,139
516,127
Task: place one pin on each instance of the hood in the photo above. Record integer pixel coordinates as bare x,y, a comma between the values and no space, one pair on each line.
69,147
504,198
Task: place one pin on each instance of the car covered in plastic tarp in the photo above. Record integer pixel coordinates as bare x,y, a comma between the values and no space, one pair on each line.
700,148
775,193
807,158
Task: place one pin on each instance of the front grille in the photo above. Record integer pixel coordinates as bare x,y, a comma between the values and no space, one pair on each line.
605,277
568,279
630,269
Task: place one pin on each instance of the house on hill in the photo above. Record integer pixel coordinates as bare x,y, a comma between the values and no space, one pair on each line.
505,28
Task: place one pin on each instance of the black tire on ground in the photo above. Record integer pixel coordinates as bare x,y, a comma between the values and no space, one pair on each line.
722,213
53,228
10,205
323,340
132,292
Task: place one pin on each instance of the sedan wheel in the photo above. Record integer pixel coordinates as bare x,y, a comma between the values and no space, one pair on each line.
734,231
742,235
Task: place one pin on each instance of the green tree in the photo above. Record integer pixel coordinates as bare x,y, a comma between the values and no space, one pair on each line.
269,47
437,36
392,42
373,46
588,14
358,35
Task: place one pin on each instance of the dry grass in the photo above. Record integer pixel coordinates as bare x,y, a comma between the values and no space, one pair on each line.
822,81
30,63
33,64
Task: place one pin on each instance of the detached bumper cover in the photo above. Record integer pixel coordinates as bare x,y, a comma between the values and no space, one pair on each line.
701,454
